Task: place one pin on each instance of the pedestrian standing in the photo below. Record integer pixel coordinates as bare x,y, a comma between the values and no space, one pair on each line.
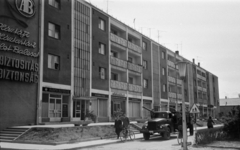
210,122
118,126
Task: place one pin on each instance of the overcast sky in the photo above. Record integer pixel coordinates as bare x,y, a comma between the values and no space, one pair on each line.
206,30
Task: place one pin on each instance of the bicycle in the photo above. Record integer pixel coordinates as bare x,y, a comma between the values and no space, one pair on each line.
127,133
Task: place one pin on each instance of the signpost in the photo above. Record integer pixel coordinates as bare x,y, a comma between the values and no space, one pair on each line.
195,110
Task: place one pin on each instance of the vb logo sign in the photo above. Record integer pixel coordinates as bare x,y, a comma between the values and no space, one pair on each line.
25,7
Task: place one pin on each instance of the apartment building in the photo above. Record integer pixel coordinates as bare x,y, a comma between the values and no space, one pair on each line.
84,59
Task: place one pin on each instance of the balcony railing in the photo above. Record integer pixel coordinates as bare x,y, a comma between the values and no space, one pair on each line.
118,62
179,96
134,47
118,40
134,67
179,82
134,88
171,64
201,77
204,89
199,88
119,85
171,79
173,95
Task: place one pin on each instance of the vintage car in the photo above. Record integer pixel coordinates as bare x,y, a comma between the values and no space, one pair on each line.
164,123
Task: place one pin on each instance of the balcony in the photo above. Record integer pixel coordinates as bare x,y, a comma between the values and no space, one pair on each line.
172,95
204,89
118,62
201,77
134,67
179,96
118,85
134,88
118,40
171,79
171,64
179,82
134,47
199,88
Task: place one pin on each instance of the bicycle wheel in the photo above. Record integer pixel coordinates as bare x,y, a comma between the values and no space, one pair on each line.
123,136
132,135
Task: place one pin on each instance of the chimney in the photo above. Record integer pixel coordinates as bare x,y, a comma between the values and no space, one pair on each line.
199,64
193,60
177,52
238,95
225,97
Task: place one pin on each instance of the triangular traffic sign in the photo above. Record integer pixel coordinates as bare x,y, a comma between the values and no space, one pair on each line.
194,109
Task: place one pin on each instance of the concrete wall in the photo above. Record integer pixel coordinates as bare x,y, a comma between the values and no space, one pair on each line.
163,78
99,60
18,96
147,73
59,47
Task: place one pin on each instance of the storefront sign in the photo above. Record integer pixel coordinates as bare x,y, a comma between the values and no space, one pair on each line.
25,7
99,95
118,98
134,99
45,89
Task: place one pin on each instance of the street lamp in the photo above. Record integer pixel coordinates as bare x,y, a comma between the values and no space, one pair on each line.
182,65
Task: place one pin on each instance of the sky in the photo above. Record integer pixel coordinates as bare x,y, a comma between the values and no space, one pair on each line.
206,30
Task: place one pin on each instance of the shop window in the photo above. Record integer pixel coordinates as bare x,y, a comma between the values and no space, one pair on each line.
145,83
54,3
144,64
101,24
53,30
53,62
102,73
102,49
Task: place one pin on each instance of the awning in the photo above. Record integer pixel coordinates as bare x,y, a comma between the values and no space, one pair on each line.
84,98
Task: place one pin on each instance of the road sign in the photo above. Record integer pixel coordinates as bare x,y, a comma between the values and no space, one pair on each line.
194,109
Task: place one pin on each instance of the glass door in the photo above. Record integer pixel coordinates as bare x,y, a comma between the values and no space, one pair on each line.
55,109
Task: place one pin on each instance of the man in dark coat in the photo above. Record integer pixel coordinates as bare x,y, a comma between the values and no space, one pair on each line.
210,122
118,126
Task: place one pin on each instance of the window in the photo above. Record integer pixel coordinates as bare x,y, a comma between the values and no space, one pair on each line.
144,64
114,54
145,83
164,87
53,62
114,76
130,59
101,24
144,45
163,55
54,3
163,71
102,73
102,48
130,80
53,30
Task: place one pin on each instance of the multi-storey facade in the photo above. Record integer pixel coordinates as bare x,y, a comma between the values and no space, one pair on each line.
84,59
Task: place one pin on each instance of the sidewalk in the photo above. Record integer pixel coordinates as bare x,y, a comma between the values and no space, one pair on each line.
7,145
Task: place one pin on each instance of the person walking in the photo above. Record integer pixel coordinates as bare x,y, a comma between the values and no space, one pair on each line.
210,122
118,126
125,121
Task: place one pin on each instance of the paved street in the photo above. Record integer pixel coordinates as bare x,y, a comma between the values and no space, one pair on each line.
156,143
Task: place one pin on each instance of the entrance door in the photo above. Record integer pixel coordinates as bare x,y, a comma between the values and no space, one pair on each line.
55,109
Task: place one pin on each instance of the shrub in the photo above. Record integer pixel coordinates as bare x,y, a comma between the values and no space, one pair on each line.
232,123
205,136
